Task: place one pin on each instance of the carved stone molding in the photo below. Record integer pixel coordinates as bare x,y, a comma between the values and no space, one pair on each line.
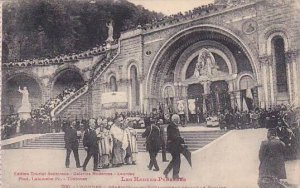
291,55
265,60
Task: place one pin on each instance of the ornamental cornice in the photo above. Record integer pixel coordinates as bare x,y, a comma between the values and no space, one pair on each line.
266,60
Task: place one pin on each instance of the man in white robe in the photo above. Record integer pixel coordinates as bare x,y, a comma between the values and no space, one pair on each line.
118,152
131,150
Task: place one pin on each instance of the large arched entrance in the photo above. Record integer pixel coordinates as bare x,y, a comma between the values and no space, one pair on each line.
178,59
68,78
11,98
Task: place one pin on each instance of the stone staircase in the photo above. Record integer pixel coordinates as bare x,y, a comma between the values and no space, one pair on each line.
98,69
194,139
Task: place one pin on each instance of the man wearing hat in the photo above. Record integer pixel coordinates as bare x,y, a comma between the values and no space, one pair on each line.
174,146
271,156
91,145
153,144
71,144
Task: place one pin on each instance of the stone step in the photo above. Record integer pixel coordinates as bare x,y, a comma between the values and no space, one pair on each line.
194,140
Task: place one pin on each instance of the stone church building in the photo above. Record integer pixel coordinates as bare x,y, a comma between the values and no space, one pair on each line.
238,54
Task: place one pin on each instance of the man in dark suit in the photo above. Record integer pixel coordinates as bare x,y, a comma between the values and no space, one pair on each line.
272,166
163,138
90,145
153,144
174,146
71,144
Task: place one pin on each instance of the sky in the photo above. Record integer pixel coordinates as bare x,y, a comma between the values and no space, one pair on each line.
169,7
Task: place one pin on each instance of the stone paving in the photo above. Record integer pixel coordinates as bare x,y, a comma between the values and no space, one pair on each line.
230,161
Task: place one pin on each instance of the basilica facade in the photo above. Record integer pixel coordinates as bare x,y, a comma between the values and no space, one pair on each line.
229,55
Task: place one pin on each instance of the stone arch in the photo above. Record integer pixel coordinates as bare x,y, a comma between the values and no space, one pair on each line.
11,98
66,76
212,46
65,67
134,88
112,83
269,33
225,33
243,75
130,64
165,87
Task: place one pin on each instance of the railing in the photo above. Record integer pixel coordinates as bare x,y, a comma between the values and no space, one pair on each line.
61,59
70,99
98,70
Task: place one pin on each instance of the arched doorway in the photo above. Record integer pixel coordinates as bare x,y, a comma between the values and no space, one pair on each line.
248,92
195,102
178,51
11,98
169,96
65,79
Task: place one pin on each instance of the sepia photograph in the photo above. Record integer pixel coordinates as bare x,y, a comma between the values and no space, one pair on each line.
150,93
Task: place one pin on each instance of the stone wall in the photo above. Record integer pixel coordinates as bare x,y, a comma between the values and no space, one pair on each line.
78,109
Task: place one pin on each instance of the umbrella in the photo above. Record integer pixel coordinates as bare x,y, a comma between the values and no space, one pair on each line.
188,155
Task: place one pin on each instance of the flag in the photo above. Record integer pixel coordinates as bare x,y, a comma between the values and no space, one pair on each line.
249,93
245,107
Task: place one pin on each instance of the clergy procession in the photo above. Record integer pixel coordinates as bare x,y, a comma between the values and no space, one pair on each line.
111,143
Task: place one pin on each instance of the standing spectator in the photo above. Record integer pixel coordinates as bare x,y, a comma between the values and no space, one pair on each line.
106,145
72,144
163,138
90,145
272,166
152,135
132,149
174,146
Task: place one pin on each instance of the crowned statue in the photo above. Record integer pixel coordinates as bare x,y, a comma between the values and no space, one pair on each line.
25,109
205,64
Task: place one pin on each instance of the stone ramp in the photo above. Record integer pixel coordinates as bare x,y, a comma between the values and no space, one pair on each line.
194,139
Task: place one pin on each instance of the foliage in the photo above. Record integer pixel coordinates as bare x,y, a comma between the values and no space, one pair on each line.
47,28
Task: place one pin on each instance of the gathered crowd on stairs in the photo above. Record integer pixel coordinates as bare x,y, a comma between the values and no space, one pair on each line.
41,118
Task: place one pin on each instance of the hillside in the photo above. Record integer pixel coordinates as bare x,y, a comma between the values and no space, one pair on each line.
47,28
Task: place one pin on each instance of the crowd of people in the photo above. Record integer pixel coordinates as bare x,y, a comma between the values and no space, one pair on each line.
198,11
111,142
40,121
60,59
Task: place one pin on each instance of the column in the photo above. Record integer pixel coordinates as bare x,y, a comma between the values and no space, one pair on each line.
291,58
265,62
185,98
146,105
296,83
271,84
206,87
46,90
177,92
238,100
231,93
